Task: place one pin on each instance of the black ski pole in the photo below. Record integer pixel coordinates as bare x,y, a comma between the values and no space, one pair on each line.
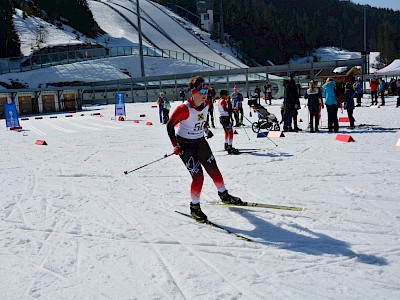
272,141
246,133
266,137
248,119
165,156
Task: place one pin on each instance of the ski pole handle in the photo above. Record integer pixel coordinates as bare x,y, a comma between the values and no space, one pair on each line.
145,165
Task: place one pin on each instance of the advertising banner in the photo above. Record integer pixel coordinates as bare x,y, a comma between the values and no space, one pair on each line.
11,115
120,104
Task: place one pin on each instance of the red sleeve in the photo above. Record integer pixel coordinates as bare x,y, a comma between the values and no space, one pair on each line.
180,113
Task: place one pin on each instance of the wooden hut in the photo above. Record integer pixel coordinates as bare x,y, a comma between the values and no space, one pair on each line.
48,102
340,75
4,98
25,102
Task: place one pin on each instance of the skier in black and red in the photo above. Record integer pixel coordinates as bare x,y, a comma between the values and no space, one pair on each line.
190,144
225,118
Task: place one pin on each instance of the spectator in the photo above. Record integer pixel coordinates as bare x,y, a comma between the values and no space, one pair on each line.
166,108
268,93
314,96
398,87
257,94
182,95
291,104
358,87
211,95
237,104
160,102
392,87
373,86
381,90
265,92
328,92
349,103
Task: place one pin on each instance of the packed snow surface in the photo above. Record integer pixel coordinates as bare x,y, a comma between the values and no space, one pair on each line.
74,226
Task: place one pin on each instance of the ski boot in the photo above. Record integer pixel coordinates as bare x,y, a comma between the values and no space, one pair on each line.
232,150
229,199
226,146
197,213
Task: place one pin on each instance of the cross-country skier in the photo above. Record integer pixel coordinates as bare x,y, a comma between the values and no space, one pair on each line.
192,147
225,118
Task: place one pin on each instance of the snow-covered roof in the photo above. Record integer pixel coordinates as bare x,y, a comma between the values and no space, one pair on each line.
391,70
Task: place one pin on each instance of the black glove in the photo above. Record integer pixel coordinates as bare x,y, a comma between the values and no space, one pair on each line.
209,134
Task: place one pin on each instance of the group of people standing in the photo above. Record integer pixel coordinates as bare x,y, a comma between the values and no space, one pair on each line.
378,87
334,99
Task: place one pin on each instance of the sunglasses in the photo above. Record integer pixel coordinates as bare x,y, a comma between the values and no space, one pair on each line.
202,88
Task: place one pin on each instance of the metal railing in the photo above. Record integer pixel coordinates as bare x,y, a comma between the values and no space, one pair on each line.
38,61
144,89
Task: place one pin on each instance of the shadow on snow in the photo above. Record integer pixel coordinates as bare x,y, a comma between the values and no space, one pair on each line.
308,241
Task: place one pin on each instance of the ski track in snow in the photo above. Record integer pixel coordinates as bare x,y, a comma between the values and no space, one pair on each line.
72,225
75,226
47,122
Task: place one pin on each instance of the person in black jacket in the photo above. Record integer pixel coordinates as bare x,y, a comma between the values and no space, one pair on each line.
257,92
314,102
182,95
349,103
291,104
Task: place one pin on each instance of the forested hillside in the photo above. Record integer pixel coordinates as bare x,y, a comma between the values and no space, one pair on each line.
277,30
9,41
75,13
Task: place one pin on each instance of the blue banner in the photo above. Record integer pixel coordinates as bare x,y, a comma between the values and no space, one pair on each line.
120,104
11,115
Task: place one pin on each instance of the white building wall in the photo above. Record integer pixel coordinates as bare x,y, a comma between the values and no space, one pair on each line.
207,21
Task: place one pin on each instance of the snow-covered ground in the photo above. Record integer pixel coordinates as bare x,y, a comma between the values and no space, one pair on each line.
73,226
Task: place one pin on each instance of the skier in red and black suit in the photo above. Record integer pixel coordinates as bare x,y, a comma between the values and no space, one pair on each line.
225,118
190,144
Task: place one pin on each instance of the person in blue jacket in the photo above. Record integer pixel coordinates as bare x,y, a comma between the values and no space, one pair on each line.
381,90
237,105
328,92
358,88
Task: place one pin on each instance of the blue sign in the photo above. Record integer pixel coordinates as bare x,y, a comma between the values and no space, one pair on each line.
11,115
120,104
262,134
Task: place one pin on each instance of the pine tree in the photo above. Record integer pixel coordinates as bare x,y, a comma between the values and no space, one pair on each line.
9,40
